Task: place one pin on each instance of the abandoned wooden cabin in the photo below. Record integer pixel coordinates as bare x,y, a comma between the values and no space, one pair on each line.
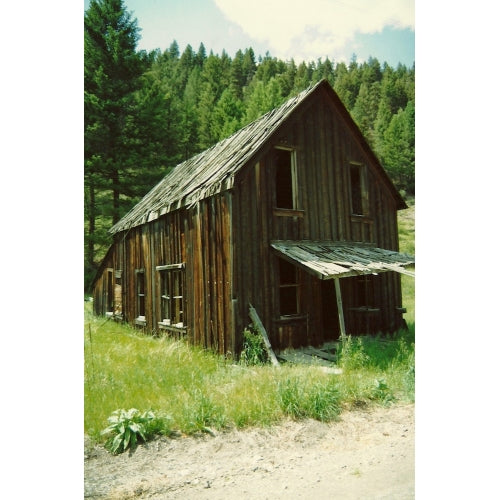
292,214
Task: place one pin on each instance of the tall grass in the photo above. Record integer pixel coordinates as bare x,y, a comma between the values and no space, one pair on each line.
378,369
200,391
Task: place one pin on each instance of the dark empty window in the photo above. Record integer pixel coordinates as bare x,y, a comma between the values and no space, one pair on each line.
364,291
356,189
285,179
288,288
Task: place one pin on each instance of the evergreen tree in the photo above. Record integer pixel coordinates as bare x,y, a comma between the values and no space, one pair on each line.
382,121
215,77
264,98
302,78
157,128
371,71
201,55
238,79
399,148
207,133
287,78
324,70
342,85
227,114
365,109
255,102
185,66
173,50
190,116
267,68
111,75
249,66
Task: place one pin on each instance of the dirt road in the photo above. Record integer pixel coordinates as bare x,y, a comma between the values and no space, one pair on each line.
367,454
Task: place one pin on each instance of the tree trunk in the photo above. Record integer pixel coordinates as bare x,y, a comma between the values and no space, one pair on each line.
116,195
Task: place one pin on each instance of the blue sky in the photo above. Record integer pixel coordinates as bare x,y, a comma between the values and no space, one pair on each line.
288,29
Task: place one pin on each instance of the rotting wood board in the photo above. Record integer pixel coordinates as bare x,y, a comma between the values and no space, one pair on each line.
312,351
299,356
260,327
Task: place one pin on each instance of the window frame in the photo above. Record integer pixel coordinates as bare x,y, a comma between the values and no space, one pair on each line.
285,286
365,291
294,195
118,287
140,289
363,209
109,292
172,294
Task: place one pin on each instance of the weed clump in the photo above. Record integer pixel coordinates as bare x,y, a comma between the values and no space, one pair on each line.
300,399
201,413
254,351
352,355
127,427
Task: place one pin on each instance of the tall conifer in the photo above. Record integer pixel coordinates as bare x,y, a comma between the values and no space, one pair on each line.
111,75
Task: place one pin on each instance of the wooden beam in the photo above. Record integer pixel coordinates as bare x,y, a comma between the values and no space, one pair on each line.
288,212
169,267
260,328
340,309
400,270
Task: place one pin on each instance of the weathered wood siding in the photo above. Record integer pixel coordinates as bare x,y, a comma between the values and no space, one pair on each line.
209,261
201,239
324,148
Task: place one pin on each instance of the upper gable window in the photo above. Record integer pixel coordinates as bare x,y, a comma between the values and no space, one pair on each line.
286,178
359,189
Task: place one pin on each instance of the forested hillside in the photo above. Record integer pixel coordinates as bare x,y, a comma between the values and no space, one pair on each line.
147,112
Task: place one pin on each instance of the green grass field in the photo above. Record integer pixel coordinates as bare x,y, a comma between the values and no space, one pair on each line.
195,390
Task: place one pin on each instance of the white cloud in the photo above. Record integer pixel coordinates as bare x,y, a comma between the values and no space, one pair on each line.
306,30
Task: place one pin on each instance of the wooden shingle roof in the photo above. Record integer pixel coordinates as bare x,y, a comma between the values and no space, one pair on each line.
213,170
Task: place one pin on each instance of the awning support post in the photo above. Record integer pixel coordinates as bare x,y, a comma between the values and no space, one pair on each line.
340,309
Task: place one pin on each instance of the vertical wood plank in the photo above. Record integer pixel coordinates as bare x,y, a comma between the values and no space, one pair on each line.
338,163
332,220
324,180
303,177
153,231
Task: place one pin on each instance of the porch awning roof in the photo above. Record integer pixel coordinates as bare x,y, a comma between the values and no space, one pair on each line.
328,259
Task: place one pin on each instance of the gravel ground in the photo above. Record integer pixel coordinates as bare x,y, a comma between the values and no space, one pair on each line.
367,454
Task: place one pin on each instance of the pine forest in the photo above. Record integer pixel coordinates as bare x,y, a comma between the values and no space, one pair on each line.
146,112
